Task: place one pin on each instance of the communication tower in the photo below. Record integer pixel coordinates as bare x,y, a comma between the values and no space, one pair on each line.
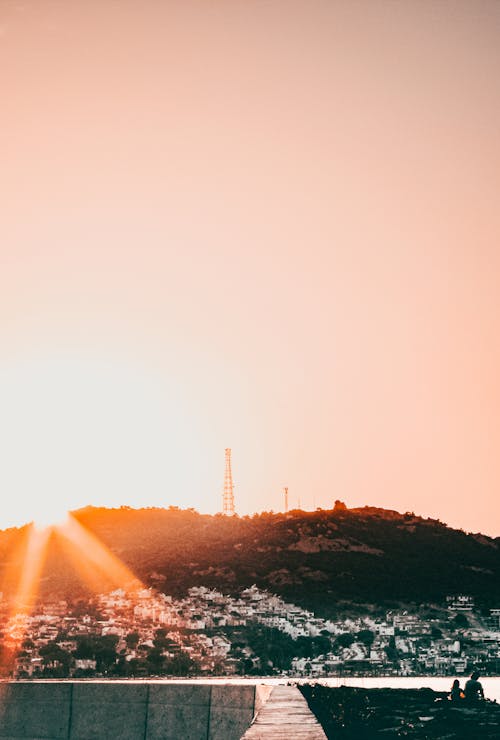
285,494
228,495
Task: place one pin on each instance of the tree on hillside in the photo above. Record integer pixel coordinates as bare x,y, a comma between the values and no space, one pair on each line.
155,661
366,637
56,661
344,640
132,640
460,621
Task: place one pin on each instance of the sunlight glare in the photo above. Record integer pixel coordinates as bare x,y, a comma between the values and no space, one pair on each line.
27,588
79,430
93,552
52,517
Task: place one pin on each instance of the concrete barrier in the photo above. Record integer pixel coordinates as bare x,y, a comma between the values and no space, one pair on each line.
128,710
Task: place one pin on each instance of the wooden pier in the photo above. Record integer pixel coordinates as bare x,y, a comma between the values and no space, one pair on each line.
285,716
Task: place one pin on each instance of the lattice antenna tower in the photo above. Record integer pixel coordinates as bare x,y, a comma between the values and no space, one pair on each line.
228,495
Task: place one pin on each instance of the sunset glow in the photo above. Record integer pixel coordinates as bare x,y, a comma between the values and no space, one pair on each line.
53,517
269,226
93,562
93,555
25,593
34,561
80,429
249,367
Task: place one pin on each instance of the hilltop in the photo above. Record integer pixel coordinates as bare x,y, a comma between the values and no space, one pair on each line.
316,559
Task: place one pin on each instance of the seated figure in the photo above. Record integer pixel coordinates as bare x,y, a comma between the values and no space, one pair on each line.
473,688
456,693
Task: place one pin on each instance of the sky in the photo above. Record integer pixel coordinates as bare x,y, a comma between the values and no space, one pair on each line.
269,225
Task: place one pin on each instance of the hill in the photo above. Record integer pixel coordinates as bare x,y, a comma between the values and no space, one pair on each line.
316,559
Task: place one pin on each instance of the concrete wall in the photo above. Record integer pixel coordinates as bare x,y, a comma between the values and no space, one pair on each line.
109,710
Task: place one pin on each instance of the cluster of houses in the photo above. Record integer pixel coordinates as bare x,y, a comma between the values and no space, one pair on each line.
208,628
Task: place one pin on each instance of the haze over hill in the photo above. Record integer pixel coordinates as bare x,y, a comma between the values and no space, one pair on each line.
265,225
318,559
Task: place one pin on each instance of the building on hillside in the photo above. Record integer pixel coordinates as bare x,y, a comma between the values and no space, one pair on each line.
460,603
495,618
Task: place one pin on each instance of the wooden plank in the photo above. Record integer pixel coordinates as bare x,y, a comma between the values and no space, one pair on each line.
285,716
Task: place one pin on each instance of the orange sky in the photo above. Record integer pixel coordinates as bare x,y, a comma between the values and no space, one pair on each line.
269,225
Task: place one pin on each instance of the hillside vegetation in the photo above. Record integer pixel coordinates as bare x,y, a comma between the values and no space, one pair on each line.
315,559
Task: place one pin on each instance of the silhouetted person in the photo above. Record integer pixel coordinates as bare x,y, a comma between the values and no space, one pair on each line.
456,693
473,688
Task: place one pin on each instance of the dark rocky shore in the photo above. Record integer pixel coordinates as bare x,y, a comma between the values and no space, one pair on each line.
364,714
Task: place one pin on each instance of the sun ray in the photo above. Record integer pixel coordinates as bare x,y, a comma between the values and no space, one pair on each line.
34,561
14,556
94,553
27,589
84,569
93,561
